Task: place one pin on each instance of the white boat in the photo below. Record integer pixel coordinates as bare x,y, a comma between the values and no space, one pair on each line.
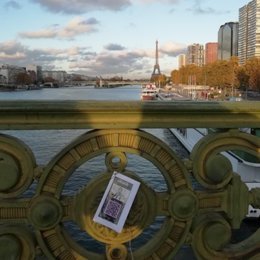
149,92
50,85
249,171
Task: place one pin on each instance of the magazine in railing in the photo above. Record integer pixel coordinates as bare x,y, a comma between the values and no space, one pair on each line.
116,201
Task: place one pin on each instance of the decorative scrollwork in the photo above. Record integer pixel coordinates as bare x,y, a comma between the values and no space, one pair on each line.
212,169
17,165
189,215
211,240
16,242
115,144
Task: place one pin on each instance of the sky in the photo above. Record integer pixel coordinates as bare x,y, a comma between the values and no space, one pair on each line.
108,37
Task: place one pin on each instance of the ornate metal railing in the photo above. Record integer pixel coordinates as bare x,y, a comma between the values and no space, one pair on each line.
204,218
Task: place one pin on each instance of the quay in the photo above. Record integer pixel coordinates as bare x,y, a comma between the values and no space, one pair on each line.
35,225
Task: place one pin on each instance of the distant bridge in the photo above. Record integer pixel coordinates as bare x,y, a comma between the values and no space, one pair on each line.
107,83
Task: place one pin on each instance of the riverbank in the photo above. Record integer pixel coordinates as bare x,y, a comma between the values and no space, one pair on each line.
6,88
184,93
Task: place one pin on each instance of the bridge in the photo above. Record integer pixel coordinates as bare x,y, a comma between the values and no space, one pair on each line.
33,225
108,83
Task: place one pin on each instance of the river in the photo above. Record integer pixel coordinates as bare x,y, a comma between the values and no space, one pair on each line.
45,137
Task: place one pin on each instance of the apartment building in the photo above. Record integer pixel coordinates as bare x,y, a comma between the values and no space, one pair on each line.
195,54
9,73
58,75
249,31
181,60
211,52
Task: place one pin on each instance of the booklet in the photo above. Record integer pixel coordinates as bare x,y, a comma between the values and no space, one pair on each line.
116,202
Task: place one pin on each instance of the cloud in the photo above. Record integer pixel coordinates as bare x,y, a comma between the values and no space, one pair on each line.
198,9
114,47
82,6
113,63
172,49
12,5
11,47
14,56
162,1
75,27
122,62
13,52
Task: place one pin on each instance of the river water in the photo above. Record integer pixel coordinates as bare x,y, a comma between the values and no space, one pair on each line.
47,138
45,144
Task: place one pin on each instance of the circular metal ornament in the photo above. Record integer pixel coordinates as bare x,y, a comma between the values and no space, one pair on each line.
183,204
17,164
116,144
116,161
16,242
115,252
45,212
142,212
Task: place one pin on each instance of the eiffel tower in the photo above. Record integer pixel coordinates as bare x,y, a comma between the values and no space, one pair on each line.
156,69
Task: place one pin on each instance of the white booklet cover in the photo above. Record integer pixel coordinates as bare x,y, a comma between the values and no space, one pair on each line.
116,202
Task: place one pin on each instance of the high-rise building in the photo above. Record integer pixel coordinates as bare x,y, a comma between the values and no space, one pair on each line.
182,60
195,54
36,71
249,31
9,73
58,75
211,52
228,41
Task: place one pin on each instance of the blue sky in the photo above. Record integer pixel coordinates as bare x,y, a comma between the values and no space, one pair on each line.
108,37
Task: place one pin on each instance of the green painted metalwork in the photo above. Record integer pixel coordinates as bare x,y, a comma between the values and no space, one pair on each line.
119,114
32,226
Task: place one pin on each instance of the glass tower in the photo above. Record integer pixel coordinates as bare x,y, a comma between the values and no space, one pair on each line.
228,41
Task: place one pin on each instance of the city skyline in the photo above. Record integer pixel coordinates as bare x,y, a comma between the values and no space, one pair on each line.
108,38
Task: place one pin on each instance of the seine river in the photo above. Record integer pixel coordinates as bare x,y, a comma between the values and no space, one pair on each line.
49,138
45,144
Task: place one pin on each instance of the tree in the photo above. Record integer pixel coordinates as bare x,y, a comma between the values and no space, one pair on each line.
243,78
175,77
23,79
223,74
159,80
252,68
49,79
77,78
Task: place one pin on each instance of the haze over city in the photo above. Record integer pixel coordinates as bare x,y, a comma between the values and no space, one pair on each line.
108,38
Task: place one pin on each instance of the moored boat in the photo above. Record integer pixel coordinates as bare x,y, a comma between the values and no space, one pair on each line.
245,166
149,92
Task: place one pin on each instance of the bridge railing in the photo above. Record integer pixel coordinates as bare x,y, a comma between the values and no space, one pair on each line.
203,217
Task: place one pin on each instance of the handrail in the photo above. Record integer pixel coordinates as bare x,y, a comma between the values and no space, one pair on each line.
56,114
34,223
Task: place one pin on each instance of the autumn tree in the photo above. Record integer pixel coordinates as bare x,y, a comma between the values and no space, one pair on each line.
242,78
23,79
159,80
218,74
175,77
252,69
77,78
49,79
